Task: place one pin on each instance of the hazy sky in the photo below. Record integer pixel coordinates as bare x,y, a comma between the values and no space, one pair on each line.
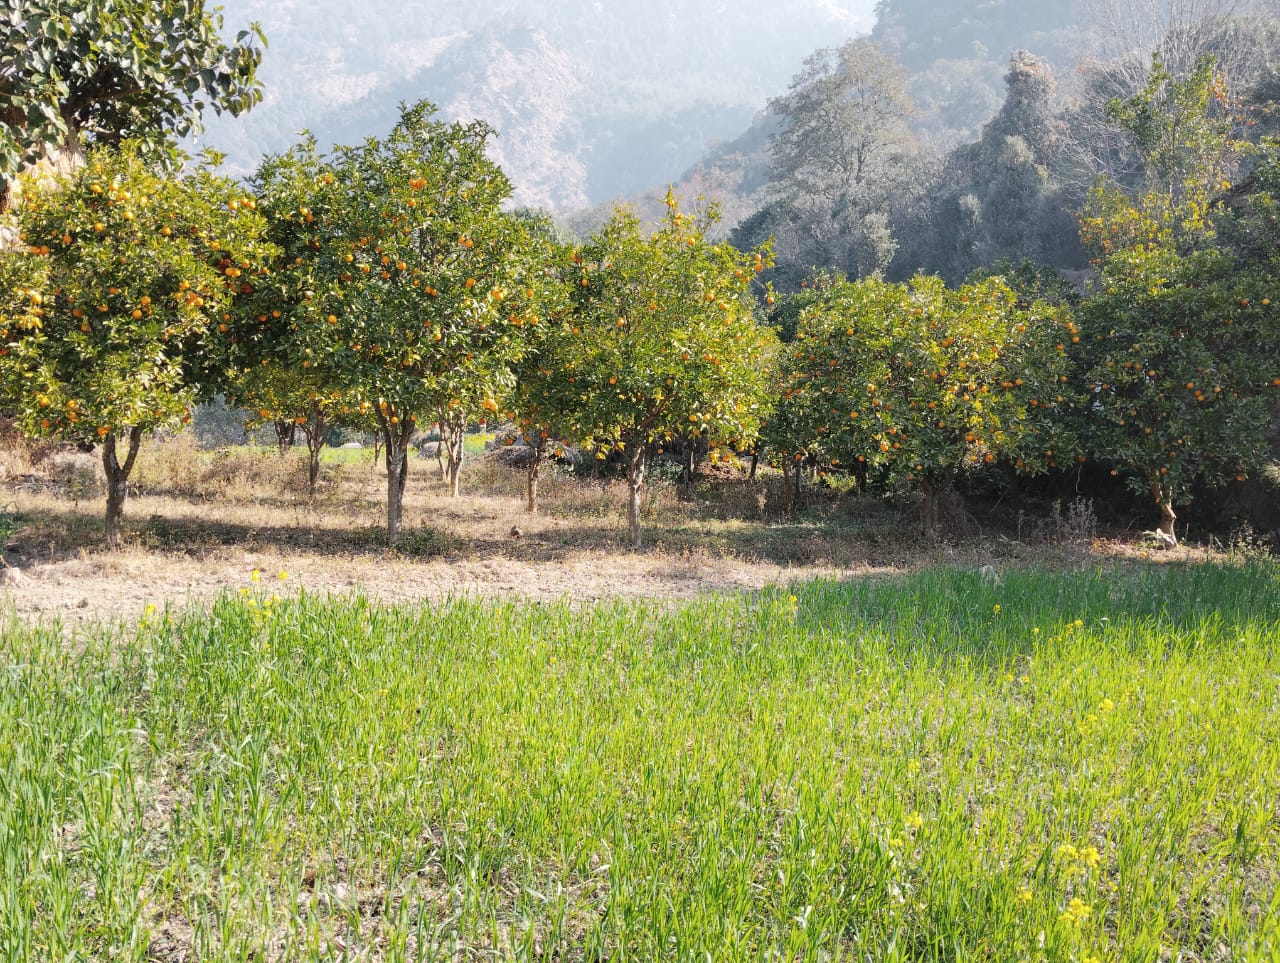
349,49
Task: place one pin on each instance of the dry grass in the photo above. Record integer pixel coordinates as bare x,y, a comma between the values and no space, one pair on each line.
198,522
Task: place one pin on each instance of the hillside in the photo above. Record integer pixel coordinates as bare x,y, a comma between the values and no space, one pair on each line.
956,52
591,102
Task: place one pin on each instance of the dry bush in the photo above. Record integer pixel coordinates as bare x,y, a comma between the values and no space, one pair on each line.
490,475
15,456
250,474
21,456
721,493
665,501
58,467
736,498
75,475
514,456
168,467
178,468
1077,524
567,496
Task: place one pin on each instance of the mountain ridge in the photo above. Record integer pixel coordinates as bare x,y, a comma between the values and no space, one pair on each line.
590,104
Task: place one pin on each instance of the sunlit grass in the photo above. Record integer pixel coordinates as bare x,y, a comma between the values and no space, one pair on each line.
1059,767
474,442
330,455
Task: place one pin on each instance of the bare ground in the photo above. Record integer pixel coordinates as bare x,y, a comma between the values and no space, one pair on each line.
198,528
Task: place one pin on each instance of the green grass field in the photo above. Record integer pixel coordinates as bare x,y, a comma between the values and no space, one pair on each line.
1064,767
474,442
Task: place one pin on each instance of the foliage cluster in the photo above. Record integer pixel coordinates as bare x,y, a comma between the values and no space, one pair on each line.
917,384
385,287
382,287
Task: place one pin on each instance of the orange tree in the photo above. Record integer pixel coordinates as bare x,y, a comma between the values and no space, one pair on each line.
664,341
100,72
1186,369
917,384
543,396
463,397
1182,331
784,432
293,402
135,268
417,285
263,365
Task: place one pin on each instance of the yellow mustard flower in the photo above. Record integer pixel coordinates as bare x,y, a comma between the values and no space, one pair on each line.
1077,911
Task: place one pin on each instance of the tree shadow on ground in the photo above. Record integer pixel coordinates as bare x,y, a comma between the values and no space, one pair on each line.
726,519
832,541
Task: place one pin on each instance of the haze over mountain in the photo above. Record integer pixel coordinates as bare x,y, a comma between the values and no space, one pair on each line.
592,100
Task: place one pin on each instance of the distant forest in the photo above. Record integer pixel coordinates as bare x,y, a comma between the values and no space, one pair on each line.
961,133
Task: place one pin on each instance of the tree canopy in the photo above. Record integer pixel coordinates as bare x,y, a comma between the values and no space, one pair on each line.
665,341
129,273
100,72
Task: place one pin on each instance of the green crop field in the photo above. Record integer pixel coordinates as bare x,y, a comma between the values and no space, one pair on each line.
1061,767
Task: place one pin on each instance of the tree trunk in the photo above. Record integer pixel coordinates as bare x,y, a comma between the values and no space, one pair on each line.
860,476
396,443
755,462
535,471
441,461
930,495
395,491
689,462
788,490
313,470
453,435
1163,495
313,431
286,434
635,484
1013,486
455,478
117,482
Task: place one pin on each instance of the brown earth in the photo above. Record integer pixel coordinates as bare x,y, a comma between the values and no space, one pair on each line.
202,524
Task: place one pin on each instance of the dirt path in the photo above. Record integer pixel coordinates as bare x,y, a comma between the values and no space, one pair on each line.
185,551
121,587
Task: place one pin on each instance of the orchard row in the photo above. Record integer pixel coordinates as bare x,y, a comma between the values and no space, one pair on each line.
384,287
